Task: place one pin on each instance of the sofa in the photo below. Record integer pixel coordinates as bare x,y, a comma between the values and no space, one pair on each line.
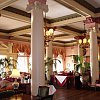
5,85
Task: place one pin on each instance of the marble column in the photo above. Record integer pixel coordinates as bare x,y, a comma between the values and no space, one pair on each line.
37,43
94,56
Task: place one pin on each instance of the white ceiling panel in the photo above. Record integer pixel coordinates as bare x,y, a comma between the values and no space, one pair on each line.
57,10
8,24
20,4
77,25
57,33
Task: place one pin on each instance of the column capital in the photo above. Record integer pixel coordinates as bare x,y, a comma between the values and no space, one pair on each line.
92,20
37,4
92,23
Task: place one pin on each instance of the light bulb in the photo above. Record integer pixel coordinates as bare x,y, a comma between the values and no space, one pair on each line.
80,41
51,31
88,40
84,40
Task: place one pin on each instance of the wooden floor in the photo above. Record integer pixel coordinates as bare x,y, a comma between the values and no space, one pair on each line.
67,94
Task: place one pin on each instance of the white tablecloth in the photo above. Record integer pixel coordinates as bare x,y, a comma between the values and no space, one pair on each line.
52,89
60,78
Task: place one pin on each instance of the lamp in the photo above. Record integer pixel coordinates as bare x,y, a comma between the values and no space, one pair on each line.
48,33
83,40
15,74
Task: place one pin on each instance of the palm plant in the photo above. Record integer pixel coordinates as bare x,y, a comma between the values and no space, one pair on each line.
81,64
50,61
84,70
6,63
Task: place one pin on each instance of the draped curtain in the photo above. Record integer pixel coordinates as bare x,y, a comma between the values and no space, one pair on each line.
60,51
22,47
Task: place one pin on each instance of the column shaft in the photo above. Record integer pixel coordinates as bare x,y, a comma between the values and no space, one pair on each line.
94,57
37,50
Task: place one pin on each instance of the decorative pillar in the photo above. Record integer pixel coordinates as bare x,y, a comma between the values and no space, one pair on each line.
92,23
50,55
37,43
94,56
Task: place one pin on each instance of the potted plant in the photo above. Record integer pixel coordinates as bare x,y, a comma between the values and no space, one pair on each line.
49,63
6,63
84,68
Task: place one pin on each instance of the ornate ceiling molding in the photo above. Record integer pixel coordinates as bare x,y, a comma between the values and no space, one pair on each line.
6,3
88,6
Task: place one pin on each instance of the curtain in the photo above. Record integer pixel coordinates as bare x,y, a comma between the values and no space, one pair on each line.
22,47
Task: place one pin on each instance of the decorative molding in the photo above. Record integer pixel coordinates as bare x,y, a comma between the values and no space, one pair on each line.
37,5
72,29
17,11
5,3
15,30
70,6
58,41
92,20
75,15
88,6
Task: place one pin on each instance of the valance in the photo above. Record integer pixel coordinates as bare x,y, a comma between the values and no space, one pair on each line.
22,47
59,51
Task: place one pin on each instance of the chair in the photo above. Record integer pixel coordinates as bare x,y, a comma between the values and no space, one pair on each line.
43,93
97,84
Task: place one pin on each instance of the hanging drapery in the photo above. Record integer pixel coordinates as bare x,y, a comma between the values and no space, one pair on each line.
59,51
22,47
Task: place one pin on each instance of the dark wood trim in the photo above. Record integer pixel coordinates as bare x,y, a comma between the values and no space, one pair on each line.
61,35
88,6
4,31
26,35
11,38
20,28
17,11
65,41
73,29
75,15
70,7
15,30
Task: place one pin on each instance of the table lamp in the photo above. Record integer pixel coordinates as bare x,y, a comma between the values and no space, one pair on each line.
15,74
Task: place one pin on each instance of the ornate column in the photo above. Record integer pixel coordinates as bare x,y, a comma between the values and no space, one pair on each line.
94,56
37,43
92,25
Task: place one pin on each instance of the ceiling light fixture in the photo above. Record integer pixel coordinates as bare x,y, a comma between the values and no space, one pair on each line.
48,33
84,39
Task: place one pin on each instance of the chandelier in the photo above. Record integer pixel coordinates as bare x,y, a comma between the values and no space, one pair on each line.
48,33
84,39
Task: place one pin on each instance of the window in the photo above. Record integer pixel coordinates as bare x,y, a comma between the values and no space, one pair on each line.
22,64
1,67
59,66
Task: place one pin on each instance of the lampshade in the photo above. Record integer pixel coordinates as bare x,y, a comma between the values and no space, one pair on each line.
15,73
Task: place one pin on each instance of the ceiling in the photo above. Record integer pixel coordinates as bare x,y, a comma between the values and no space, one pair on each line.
66,15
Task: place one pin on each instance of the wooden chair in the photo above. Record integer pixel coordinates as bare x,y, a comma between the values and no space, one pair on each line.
43,93
97,84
